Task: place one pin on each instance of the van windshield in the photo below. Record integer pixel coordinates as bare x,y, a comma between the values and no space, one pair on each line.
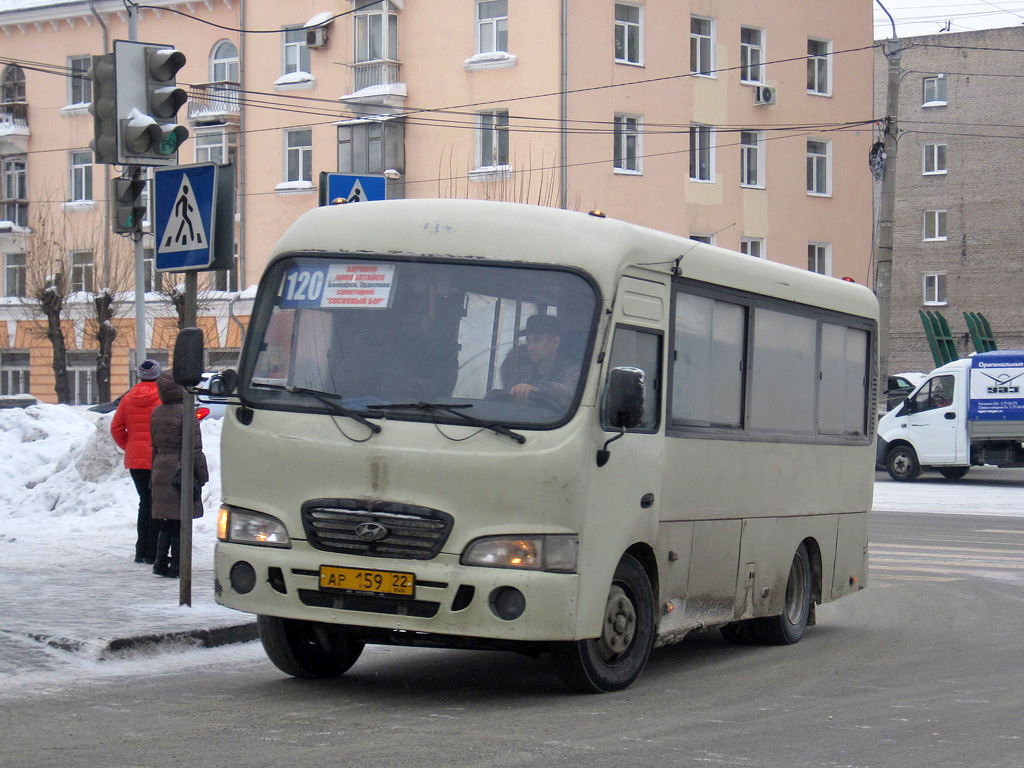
498,342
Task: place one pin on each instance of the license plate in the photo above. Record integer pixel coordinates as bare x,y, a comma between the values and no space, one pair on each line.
362,580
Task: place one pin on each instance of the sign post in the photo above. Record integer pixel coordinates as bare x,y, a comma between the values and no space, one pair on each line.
194,227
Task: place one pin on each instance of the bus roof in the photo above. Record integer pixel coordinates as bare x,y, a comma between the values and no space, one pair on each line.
604,248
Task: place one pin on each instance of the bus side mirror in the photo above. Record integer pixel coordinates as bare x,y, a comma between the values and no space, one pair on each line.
188,357
625,405
626,398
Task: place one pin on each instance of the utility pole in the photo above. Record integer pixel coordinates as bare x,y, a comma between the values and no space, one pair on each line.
893,50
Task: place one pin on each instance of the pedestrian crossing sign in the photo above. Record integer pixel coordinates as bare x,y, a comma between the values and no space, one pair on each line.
193,217
338,188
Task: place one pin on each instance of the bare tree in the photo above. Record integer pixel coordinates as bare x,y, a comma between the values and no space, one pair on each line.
118,279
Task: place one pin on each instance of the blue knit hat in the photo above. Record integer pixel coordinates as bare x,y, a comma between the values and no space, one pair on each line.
149,370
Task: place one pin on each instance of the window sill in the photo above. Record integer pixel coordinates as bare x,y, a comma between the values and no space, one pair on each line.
627,63
752,186
75,110
752,83
701,181
627,172
708,76
823,94
78,205
295,81
934,239
929,104
933,173
492,60
818,194
294,187
491,173
934,303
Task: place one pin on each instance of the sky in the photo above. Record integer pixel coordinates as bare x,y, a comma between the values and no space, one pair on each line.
930,17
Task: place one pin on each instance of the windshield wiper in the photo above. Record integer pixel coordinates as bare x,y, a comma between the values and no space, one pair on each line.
453,409
330,399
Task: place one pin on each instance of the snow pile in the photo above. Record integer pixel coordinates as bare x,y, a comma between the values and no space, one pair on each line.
63,485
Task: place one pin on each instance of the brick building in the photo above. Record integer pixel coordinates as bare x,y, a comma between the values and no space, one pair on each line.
739,122
959,217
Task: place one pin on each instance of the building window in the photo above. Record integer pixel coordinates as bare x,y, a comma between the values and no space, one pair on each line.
218,147
299,155
934,225
934,159
81,175
14,274
819,258
15,190
818,167
12,85
818,74
934,288
492,139
628,33
935,91
752,159
626,152
82,377
751,55
224,63
702,45
80,83
752,246
81,271
492,26
376,41
371,146
701,153
152,281
14,373
296,54
706,239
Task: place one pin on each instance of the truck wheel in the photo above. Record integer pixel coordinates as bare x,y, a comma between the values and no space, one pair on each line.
953,473
788,627
307,649
902,463
614,660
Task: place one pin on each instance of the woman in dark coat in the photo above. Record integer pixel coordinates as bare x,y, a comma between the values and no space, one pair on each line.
165,432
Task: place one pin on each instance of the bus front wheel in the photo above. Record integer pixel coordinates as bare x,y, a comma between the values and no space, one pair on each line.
614,660
788,627
902,463
307,649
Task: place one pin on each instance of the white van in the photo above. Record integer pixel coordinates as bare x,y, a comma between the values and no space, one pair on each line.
967,413
484,425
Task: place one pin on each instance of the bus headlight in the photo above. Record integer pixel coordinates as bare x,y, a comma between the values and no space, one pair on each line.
242,526
535,553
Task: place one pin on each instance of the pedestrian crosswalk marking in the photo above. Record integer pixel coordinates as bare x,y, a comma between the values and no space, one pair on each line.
184,230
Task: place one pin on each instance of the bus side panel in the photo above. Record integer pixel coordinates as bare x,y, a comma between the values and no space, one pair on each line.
851,555
758,558
711,591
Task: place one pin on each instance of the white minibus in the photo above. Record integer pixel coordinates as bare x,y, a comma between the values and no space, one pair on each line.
471,424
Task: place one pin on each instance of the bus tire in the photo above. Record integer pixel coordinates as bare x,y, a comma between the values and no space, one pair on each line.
788,627
953,473
307,649
902,463
614,660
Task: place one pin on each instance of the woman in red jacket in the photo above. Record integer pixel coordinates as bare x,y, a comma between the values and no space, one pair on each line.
130,430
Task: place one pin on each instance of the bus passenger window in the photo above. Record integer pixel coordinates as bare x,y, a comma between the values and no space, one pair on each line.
639,349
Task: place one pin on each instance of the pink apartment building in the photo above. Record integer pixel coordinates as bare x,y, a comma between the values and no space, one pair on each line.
736,121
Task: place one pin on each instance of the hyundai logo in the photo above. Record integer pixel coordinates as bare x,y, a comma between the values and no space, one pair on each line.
371,531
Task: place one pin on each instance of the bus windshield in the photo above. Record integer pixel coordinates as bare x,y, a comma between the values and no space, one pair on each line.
373,334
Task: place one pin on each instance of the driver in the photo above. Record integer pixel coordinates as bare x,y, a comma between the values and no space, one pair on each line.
537,373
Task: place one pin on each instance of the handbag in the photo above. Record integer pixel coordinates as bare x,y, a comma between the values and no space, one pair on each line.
197,492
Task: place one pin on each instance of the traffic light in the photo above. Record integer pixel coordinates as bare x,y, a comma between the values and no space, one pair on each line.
128,209
104,109
148,100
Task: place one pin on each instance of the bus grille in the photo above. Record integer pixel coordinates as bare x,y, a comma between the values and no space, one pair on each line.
375,528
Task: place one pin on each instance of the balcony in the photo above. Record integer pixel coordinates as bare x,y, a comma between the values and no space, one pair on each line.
210,103
376,83
14,131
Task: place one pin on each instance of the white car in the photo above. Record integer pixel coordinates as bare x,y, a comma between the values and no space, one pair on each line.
209,406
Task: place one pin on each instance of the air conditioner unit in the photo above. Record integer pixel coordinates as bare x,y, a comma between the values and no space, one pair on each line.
764,95
316,37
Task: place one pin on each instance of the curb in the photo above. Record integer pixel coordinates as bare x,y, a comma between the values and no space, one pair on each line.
201,638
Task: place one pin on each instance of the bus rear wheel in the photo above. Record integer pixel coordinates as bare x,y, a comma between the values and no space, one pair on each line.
614,660
307,649
788,627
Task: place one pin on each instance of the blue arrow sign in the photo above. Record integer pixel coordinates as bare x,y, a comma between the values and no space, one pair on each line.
352,188
184,203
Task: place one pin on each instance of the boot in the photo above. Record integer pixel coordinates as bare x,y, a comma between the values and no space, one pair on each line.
174,559
163,544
